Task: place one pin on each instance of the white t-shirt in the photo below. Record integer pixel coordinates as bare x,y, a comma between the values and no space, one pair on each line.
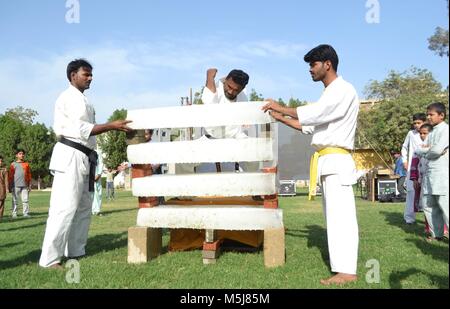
208,97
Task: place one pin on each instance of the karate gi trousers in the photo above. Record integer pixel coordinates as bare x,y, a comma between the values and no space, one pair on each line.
69,217
339,208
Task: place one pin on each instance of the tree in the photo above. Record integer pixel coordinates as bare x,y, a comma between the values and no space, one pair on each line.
18,131
24,115
414,81
295,103
38,141
280,100
254,96
400,95
438,42
113,143
198,97
10,135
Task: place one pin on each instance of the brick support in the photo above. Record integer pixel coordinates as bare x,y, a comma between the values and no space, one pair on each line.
144,243
274,247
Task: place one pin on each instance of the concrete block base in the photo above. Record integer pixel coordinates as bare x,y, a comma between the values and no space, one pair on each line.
274,247
144,243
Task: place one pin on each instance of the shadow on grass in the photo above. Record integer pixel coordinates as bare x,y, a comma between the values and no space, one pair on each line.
31,257
396,277
95,245
316,238
107,212
418,229
22,227
106,242
12,244
396,219
436,250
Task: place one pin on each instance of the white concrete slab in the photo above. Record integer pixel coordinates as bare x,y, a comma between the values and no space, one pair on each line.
202,150
211,217
239,113
205,184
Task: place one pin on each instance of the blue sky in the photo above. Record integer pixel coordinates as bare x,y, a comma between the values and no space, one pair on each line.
149,53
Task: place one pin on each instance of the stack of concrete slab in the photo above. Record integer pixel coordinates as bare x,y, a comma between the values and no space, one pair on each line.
144,239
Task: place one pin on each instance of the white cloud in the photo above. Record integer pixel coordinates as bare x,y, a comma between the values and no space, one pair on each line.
273,49
140,74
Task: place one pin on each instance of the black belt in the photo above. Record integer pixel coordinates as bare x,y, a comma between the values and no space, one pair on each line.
90,153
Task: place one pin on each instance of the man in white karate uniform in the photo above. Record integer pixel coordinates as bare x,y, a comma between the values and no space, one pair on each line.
332,120
73,166
227,90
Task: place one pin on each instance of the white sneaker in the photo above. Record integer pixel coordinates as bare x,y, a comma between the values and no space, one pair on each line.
14,215
26,216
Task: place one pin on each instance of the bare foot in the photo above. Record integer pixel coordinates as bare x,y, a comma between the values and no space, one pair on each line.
339,278
57,266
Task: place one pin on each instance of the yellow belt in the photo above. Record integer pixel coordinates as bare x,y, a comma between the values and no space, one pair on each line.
313,167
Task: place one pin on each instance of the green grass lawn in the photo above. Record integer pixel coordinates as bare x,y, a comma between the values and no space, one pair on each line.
405,259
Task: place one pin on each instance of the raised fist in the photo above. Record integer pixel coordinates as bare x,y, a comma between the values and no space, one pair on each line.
211,73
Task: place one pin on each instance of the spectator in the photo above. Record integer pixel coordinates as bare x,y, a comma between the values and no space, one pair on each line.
110,184
401,172
3,187
419,171
19,178
435,203
411,143
97,199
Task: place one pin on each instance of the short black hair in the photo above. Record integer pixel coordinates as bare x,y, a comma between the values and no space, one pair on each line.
438,107
323,53
239,77
75,65
420,116
427,126
1,157
20,150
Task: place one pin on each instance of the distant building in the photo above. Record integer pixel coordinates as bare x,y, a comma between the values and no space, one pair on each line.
295,151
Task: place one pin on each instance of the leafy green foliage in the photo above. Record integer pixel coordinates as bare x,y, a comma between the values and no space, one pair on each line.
24,115
295,103
10,135
17,130
113,143
38,141
198,97
438,42
254,96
